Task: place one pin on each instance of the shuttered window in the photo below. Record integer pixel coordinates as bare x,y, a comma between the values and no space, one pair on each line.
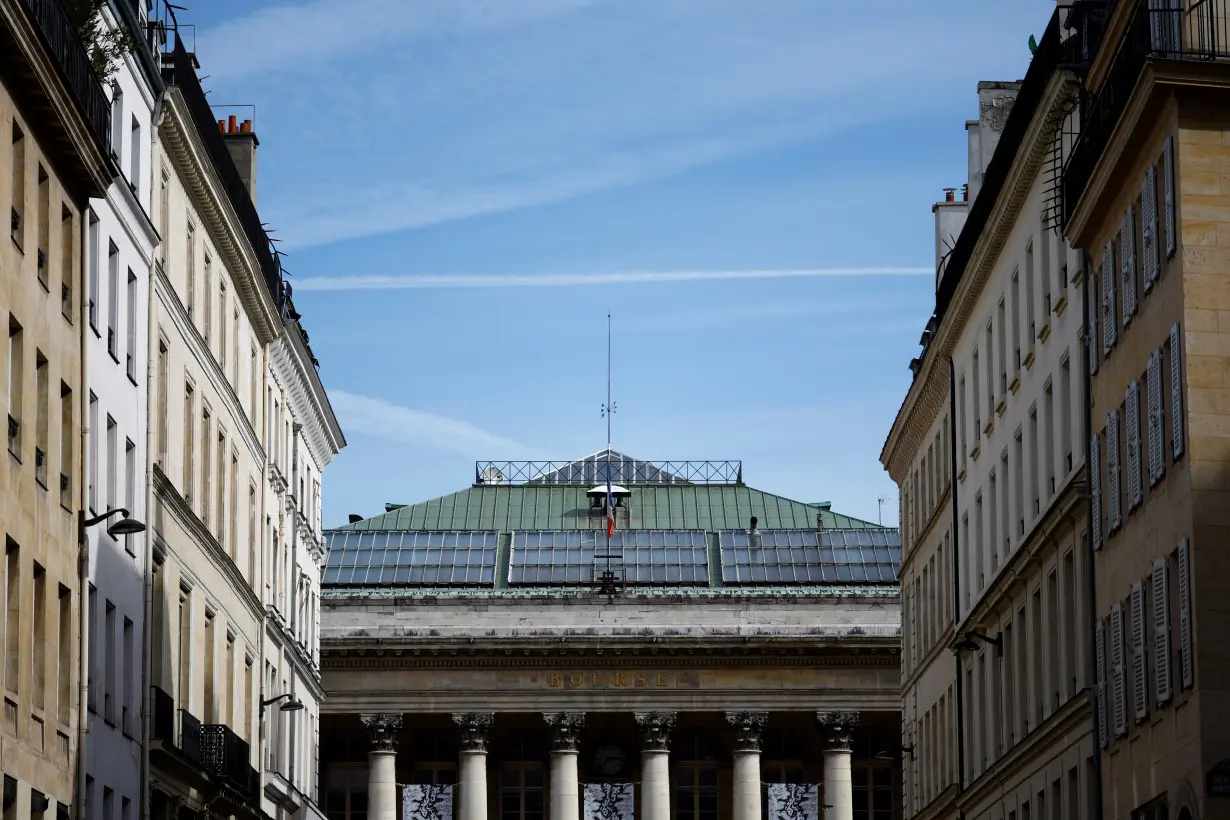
1100,656
1110,333
1091,325
1157,453
1127,263
1131,438
1168,195
1176,391
1113,507
1095,488
1160,582
1148,227
1140,681
1118,683
1186,668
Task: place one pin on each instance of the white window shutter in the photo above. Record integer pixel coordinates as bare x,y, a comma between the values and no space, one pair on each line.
1176,390
1161,630
1100,655
1157,455
1091,325
1110,333
1112,471
1140,679
1168,190
1118,694
1186,667
1148,227
1095,488
1132,438
1127,263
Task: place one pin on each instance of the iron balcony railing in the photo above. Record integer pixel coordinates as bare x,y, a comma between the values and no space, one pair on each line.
1162,29
226,757
190,736
178,70
62,43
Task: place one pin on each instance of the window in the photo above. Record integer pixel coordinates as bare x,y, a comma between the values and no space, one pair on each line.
108,804
206,299
92,456
1045,256
1065,413
228,715
235,348
1039,688
130,487
66,445
345,793
1016,320
1054,646
130,708
117,151
872,792
67,262
112,462
95,251
1048,432
205,474
109,668
164,213
12,614
38,637
133,318
1033,461
44,226
183,655
17,367
222,325
113,299
189,438
1031,325
1072,627
211,704
992,522
696,790
19,185
190,269
233,539
252,535
92,671
221,488
134,157
1003,351
162,404
254,396
42,392
64,654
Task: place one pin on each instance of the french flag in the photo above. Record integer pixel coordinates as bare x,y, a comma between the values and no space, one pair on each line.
610,509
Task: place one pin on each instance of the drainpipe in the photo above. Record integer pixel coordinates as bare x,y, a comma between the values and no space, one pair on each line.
294,562
83,539
1091,586
956,571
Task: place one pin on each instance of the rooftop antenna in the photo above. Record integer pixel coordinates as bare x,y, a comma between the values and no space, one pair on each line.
880,502
607,582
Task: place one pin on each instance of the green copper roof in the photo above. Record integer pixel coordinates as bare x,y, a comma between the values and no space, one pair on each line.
561,507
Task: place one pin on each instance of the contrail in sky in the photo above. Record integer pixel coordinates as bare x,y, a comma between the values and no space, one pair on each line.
550,280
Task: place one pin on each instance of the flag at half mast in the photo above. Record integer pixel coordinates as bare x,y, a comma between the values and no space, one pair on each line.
608,410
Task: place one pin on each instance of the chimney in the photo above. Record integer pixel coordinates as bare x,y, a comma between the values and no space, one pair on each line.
241,141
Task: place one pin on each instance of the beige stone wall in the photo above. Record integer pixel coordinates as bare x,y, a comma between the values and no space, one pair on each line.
38,520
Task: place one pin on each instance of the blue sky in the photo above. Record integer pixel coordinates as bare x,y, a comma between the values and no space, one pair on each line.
466,188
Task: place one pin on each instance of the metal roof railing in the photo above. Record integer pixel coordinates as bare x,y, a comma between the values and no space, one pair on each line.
627,472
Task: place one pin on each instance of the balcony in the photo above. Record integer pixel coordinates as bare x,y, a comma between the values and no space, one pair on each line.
226,757
1199,33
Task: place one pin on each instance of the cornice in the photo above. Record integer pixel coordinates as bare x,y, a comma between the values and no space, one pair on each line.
308,404
148,239
939,804
202,538
182,143
205,359
929,389
303,666
939,648
942,510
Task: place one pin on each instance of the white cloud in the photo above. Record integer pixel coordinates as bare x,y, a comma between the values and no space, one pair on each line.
392,422
541,280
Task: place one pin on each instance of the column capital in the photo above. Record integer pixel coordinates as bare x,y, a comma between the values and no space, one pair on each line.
838,728
565,729
382,728
655,729
748,728
474,727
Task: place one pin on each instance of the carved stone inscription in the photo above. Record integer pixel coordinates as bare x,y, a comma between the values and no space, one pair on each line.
616,679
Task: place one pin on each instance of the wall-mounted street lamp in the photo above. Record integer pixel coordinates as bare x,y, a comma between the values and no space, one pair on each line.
968,642
292,704
125,526
889,754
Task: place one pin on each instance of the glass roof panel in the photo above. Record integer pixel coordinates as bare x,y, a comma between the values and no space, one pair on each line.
810,556
554,557
410,558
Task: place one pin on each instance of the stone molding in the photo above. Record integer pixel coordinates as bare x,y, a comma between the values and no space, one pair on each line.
655,729
748,728
565,729
838,728
474,726
382,728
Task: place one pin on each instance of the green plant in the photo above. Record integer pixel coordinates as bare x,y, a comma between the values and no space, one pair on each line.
103,45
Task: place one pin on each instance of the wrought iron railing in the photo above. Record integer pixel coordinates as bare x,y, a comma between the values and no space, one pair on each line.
591,472
62,42
178,70
226,755
163,718
1163,29
190,736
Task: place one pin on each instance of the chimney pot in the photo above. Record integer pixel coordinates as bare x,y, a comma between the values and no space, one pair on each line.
950,194
222,126
246,127
231,128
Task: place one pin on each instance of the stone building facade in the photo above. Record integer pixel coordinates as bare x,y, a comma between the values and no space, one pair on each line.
1146,198
986,449
54,156
493,654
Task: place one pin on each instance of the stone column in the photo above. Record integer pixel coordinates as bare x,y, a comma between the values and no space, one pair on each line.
838,728
748,727
565,788
655,730
382,730
472,776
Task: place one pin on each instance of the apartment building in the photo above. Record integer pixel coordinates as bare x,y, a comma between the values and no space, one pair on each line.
215,311
986,451
119,247
1147,202
54,156
303,436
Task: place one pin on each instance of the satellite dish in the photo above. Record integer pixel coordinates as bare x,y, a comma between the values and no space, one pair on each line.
492,475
